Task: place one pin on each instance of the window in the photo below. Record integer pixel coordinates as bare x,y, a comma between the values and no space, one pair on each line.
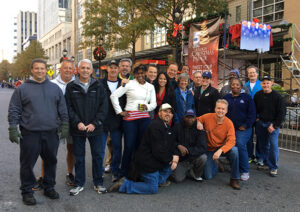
268,10
159,37
238,11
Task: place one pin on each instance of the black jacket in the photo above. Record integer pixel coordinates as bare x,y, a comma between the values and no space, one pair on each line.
191,138
113,121
157,148
169,98
88,108
206,102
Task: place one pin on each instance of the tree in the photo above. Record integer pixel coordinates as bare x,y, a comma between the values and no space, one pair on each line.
24,59
5,70
120,23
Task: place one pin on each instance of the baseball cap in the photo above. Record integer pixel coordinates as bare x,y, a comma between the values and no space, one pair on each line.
206,74
113,62
190,112
165,107
236,71
266,77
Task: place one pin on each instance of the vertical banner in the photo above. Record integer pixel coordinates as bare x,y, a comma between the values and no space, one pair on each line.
203,48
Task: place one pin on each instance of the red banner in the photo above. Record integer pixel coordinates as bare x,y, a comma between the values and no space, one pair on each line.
203,48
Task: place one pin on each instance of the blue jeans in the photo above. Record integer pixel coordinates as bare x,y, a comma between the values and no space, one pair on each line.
97,149
133,133
242,138
116,140
211,168
250,145
150,183
267,145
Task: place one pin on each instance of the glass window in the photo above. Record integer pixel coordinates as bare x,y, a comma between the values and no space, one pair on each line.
279,0
257,12
266,2
278,16
279,6
238,11
268,18
257,3
269,9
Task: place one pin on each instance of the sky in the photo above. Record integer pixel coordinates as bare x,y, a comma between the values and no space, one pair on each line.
8,10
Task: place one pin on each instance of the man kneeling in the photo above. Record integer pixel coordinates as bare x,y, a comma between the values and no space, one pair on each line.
155,158
192,145
220,141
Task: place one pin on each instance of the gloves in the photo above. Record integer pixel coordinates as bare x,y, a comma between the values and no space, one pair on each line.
64,130
14,135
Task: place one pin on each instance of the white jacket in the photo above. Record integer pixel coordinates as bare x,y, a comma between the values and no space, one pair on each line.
136,94
58,81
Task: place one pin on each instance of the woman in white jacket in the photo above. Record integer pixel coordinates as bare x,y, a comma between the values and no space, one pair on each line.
140,99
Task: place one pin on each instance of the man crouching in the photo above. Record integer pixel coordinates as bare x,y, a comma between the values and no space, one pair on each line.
155,158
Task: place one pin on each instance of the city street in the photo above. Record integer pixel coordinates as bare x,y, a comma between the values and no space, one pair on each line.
260,193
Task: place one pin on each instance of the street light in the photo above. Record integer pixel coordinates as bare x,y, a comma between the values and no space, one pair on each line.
177,19
64,57
99,54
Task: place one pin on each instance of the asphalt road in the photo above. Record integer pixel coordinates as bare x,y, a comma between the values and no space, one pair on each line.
260,193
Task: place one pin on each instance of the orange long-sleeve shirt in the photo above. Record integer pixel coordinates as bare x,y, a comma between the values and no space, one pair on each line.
218,135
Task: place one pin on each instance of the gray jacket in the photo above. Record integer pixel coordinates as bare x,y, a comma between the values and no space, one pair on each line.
37,106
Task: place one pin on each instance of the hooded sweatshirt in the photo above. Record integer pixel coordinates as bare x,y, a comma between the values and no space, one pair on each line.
37,106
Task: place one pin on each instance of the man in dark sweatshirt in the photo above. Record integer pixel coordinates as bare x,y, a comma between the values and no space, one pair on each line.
38,107
192,146
270,109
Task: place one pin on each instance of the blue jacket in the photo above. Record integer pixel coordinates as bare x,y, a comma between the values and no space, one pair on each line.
241,110
257,87
181,105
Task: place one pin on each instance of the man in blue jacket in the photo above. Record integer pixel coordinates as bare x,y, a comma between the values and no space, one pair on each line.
253,86
87,106
38,107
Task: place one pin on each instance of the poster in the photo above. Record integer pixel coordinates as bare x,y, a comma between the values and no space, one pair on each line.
203,48
255,36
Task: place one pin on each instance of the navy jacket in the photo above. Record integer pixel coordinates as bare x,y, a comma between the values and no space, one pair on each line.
181,105
206,102
241,110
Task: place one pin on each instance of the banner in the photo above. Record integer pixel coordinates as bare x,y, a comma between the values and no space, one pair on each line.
255,36
203,48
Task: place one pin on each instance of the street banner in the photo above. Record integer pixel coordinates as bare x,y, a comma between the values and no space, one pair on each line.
255,36
203,48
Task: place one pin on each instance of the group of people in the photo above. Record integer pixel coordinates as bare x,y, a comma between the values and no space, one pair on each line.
172,127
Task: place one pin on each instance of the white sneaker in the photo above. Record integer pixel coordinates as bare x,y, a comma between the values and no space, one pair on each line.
274,173
100,189
76,190
245,176
192,173
107,169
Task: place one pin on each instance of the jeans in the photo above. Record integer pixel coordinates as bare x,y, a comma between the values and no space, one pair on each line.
211,168
267,145
183,167
250,145
33,144
133,133
97,150
242,138
150,183
116,140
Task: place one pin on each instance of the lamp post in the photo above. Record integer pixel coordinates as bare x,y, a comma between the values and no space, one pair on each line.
100,54
64,57
177,19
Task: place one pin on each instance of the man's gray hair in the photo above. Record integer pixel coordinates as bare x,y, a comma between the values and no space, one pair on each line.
256,69
126,60
197,72
67,61
222,101
183,76
85,61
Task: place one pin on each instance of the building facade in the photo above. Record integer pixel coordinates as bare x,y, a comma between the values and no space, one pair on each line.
26,27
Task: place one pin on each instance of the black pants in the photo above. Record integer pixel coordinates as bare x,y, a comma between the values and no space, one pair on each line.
33,144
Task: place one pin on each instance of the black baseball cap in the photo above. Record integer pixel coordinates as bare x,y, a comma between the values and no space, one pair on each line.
266,77
113,62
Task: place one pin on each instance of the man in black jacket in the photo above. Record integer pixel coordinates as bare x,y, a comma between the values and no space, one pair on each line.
192,146
87,106
205,96
38,107
113,121
155,158
270,109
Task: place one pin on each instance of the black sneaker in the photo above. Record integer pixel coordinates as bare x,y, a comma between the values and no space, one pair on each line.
38,185
70,179
52,194
116,186
28,199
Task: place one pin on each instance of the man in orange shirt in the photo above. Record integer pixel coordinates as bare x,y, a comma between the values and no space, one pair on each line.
220,141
